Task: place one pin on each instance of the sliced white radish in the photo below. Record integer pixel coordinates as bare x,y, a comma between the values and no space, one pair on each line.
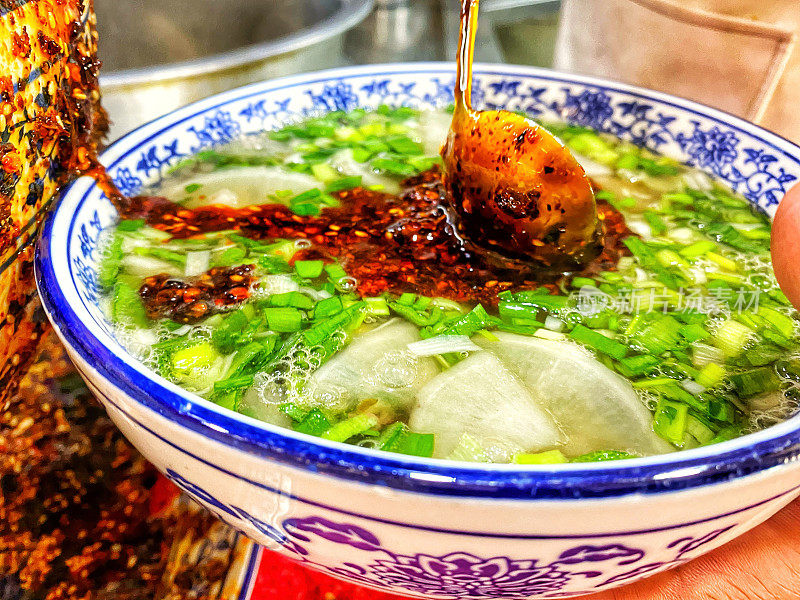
480,397
596,408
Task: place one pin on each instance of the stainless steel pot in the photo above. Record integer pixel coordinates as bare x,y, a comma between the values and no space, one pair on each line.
161,54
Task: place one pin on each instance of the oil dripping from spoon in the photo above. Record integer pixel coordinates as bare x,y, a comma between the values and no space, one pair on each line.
515,189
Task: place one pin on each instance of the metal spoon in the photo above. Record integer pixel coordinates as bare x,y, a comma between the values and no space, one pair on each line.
515,188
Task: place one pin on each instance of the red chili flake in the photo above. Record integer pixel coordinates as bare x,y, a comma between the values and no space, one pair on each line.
193,299
404,243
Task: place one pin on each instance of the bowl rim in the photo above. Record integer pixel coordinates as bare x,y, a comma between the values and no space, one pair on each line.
707,465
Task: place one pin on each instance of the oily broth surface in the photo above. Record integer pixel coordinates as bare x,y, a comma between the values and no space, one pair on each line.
670,208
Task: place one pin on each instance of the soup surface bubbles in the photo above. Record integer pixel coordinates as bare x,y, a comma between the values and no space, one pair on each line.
312,278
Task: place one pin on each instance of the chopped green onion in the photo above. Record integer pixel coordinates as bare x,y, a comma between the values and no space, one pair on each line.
599,342
328,307
694,332
725,263
697,249
127,307
191,358
233,383
785,325
416,444
324,172
657,225
699,430
344,430
345,183
293,411
130,225
732,337
549,457
111,263
225,336
711,375
377,307
391,437
669,420
404,145
313,423
637,365
393,167
335,272
756,381
309,269
658,335
602,456
284,319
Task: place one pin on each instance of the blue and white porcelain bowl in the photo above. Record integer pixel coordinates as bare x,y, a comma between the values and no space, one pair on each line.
421,527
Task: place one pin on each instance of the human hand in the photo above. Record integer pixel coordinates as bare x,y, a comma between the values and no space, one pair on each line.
763,564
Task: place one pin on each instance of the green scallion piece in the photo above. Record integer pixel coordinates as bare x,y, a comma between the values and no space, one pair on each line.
309,269
328,307
669,420
284,319
657,225
226,335
725,263
659,334
345,183
711,375
344,430
699,430
755,381
392,435
732,337
377,306
305,209
335,272
111,263
648,259
231,256
416,444
313,423
599,342
579,282
602,456
694,332
293,411
549,457
393,167
637,365
785,325
127,306
324,172
233,383
130,225
697,249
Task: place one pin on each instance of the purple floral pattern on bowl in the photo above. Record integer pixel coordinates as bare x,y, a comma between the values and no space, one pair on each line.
457,574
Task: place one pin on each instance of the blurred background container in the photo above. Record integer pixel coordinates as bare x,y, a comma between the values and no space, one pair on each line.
161,54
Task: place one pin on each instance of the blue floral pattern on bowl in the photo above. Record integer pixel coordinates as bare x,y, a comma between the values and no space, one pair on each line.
714,148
